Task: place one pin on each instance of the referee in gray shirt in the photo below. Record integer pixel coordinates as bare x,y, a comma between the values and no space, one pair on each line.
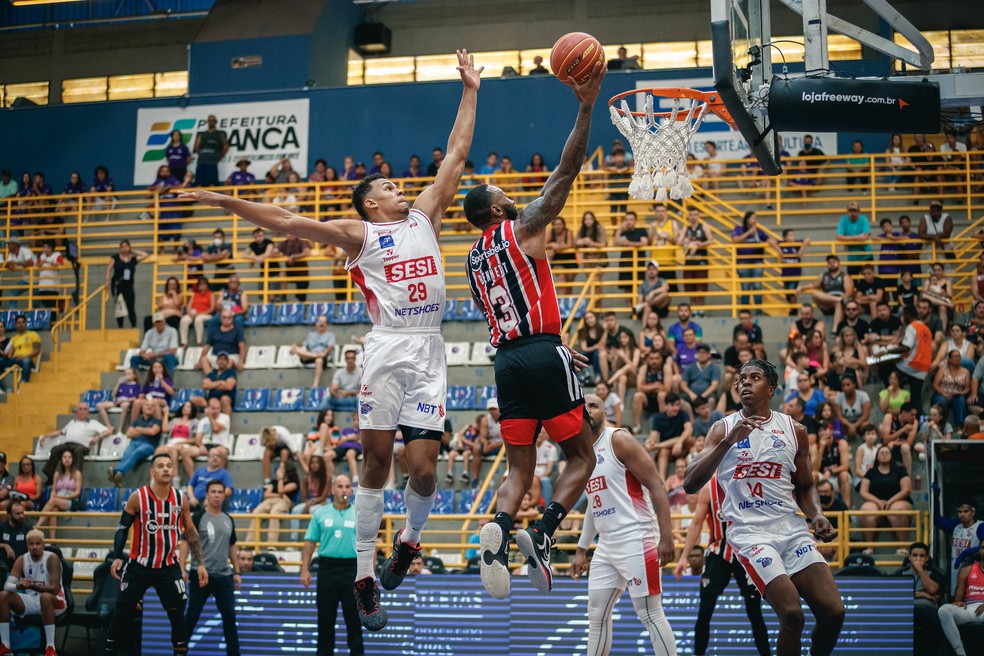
221,561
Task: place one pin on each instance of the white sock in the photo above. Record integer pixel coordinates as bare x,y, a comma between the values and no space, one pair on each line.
49,635
368,517
5,633
418,510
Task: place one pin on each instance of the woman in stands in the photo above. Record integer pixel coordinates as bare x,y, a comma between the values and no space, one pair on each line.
28,484
198,311
957,341
591,236
806,390
886,487
816,350
178,156
316,489
66,492
935,428
849,355
852,406
321,441
951,386
120,277
103,184
533,183
125,393
170,304
897,161
892,397
73,187
182,441
831,460
279,495
651,329
465,444
331,192
938,290
190,252
157,390
623,362
560,252
590,341
826,413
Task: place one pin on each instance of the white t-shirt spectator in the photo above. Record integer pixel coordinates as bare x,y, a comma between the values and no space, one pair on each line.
852,412
611,402
495,430
210,437
159,342
347,381
546,455
49,277
319,343
78,432
24,256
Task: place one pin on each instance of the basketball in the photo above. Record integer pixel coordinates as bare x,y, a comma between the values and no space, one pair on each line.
574,55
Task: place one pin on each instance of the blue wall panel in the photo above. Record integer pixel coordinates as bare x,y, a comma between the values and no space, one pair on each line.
285,65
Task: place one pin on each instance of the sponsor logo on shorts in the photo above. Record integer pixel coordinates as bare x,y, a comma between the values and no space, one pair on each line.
758,469
414,311
596,484
386,241
756,551
364,408
802,551
635,581
365,391
744,444
430,408
764,561
419,267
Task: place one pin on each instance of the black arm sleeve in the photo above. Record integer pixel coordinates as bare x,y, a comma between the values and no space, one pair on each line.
122,530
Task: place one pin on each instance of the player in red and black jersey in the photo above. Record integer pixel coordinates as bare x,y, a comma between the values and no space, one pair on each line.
721,565
158,515
534,371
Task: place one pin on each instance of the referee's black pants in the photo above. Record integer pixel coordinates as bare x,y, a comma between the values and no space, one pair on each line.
223,588
336,583
717,574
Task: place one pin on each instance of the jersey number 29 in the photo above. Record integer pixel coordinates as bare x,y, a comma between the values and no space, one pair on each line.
418,292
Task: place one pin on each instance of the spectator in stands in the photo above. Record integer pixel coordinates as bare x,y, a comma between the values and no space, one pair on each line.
318,347
808,168
590,339
213,428
437,155
349,447
160,343
316,489
924,313
671,435
749,260
489,431
891,399
210,146
120,276
163,189
654,294
538,67
884,333
77,436
344,390
959,342
48,278
826,414
8,187
916,347
260,250
125,392
177,155
226,338
684,321
636,239
491,164
648,334
791,252
934,428
197,312
560,250
280,171
869,290
219,383
831,290
245,560
145,435
465,444
806,390
928,590
898,432
6,481
613,404
181,437
705,414
625,62
27,484
13,532
22,350
938,290
747,325
280,493
242,177
66,491
103,184
230,297
276,441
695,240
852,405
213,470
936,227
170,304
295,250
219,252
853,320
886,487
831,459
546,463
686,352
702,379
910,246
623,363
951,387
19,259
157,391
321,441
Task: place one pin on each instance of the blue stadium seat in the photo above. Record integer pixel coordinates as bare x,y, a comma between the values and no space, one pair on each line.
444,502
468,500
315,310
567,306
287,399
38,319
450,310
182,396
9,317
260,314
289,314
485,392
102,499
253,400
393,502
351,312
314,400
468,311
93,397
460,397
243,501
125,494
45,495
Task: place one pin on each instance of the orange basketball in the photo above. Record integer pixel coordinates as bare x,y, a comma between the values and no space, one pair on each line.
574,56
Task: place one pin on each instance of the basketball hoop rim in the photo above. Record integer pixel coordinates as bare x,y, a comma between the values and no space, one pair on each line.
711,98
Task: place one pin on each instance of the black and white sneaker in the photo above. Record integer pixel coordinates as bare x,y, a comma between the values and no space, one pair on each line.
535,545
493,559
371,614
395,567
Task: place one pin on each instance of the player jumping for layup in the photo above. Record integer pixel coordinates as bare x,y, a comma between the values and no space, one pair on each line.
510,280
395,259
627,506
158,515
763,466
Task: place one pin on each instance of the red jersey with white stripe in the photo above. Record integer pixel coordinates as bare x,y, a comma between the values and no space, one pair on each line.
619,504
755,474
716,523
157,528
400,272
974,588
514,290
37,571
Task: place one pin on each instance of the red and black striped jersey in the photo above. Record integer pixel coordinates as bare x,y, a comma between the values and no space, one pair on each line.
514,290
717,525
157,528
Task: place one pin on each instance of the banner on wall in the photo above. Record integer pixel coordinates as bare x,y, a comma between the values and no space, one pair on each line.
262,132
730,143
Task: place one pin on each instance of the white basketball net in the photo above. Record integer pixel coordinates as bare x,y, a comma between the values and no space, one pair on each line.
659,147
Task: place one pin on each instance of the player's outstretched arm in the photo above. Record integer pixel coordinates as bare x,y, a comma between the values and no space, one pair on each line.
580,565
536,216
343,233
631,453
716,445
693,531
806,490
435,200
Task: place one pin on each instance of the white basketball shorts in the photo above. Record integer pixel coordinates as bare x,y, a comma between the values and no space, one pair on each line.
404,379
625,565
782,547
32,605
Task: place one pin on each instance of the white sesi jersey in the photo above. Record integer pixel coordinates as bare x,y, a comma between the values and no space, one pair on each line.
963,538
400,273
619,504
756,473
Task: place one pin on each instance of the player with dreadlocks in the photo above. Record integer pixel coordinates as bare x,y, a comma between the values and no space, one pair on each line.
762,461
